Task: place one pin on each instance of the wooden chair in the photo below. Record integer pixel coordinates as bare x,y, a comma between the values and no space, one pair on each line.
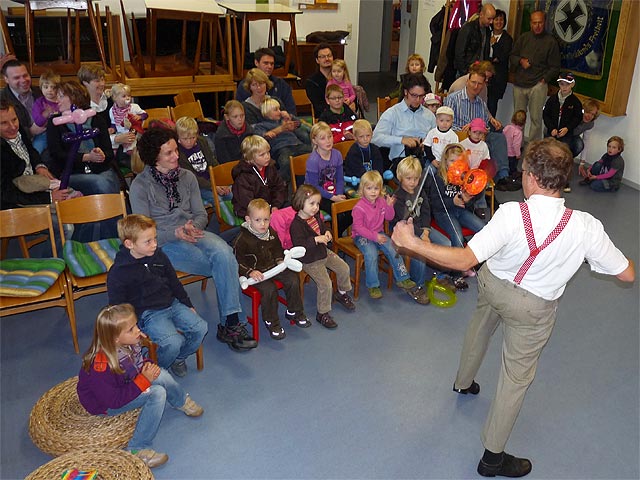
190,109
156,114
153,352
92,208
303,104
298,166
186,96
27,221
383,104
343,147
220,175
347,245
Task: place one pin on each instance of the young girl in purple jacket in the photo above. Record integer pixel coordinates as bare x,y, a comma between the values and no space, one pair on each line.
115,378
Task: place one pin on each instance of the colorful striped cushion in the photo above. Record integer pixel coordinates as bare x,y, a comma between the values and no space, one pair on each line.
29,277
226,210
92,258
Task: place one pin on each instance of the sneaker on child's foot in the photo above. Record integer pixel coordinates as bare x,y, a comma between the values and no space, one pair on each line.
460,283
236,336
179,368
151,458
375,292
420,295
406,284
275,329
567,188
345,300
326,320
298,318
584,182
191,408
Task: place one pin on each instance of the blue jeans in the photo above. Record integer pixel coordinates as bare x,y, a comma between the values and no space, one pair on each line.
162,327
370,251
460,217
39,142
207,199
95,183
600,185
163,389
421,272
210,256
497,144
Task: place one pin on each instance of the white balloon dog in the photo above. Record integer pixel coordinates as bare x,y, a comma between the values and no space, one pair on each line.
289,262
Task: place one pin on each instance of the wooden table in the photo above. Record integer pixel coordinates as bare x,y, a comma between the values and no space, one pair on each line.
273,13
204,11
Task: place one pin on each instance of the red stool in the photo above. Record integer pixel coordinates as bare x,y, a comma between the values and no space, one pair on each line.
255,296
466,232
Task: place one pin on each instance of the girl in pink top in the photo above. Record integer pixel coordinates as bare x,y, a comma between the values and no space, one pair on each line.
513,134
340,77
367,231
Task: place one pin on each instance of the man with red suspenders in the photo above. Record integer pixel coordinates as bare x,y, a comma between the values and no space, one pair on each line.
531,249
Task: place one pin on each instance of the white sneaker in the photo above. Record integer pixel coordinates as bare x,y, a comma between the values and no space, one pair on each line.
191,408
151,458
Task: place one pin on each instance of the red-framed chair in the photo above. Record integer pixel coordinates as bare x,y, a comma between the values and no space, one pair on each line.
254,319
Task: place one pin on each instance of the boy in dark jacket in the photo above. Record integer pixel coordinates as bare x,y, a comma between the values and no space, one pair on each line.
258,249
143,276
338,116
563,112
256,177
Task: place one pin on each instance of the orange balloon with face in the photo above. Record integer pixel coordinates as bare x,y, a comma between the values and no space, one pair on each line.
475,181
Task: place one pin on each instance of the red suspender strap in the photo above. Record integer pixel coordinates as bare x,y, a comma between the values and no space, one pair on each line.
533,249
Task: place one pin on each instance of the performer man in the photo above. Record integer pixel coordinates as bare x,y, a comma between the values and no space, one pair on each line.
531,249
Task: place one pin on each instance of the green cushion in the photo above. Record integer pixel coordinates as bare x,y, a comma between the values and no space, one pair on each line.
89,259
29,277
226,209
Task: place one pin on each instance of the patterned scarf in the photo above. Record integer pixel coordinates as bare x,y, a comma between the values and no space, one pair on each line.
120,114
170,183
20,149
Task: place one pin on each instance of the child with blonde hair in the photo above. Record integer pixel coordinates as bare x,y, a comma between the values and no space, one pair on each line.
45,106
115,377
340,77
126,118
363,155
415,64
231,132
256,176
369,215
258,249
308,230
514,133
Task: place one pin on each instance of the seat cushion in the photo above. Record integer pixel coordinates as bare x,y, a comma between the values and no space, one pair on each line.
92,258
29,277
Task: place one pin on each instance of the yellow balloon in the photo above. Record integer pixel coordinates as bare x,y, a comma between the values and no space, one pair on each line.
447,302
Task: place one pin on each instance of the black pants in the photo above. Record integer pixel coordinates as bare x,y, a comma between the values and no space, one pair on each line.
269,292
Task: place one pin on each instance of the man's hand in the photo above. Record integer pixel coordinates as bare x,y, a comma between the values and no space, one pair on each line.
496,123
403,234
410,142
524,63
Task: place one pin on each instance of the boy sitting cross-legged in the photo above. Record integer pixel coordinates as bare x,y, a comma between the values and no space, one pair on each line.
257,250
143,276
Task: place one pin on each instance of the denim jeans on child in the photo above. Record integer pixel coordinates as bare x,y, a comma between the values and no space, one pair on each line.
370,251
163,389
460,217
600,185
161,326
210,256
420,271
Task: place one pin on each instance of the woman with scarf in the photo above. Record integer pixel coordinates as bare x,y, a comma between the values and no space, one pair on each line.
93,169
171,196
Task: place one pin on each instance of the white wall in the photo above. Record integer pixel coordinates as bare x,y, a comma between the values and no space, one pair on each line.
370,34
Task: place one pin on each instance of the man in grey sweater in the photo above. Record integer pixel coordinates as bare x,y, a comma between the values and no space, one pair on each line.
535,61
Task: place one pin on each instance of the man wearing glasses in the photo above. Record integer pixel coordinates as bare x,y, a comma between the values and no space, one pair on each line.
402,127
317,83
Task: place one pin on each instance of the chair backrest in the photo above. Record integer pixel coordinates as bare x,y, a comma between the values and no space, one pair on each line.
336,209
303,104
186,96
298,166
343,147
17,222
383,104
220,176
156,114
91,208
462,135
190,109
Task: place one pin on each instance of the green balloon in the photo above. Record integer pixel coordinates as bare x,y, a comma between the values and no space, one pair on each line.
450,297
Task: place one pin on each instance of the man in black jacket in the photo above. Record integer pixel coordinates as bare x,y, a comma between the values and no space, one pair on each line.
317,83
473,40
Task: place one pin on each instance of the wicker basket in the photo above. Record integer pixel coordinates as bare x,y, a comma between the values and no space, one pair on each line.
59,424
110,463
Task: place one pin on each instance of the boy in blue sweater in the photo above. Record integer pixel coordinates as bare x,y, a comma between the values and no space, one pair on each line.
143,276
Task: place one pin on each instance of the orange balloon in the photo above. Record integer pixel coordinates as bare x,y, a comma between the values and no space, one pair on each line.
475,181
457,171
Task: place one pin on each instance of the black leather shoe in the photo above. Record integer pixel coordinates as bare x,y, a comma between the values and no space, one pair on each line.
473,389
510,466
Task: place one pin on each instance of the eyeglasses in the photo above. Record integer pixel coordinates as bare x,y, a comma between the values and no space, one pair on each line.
323,57
336,98
416,95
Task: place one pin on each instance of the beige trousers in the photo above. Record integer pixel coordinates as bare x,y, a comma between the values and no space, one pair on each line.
534,98
319,273
527,322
